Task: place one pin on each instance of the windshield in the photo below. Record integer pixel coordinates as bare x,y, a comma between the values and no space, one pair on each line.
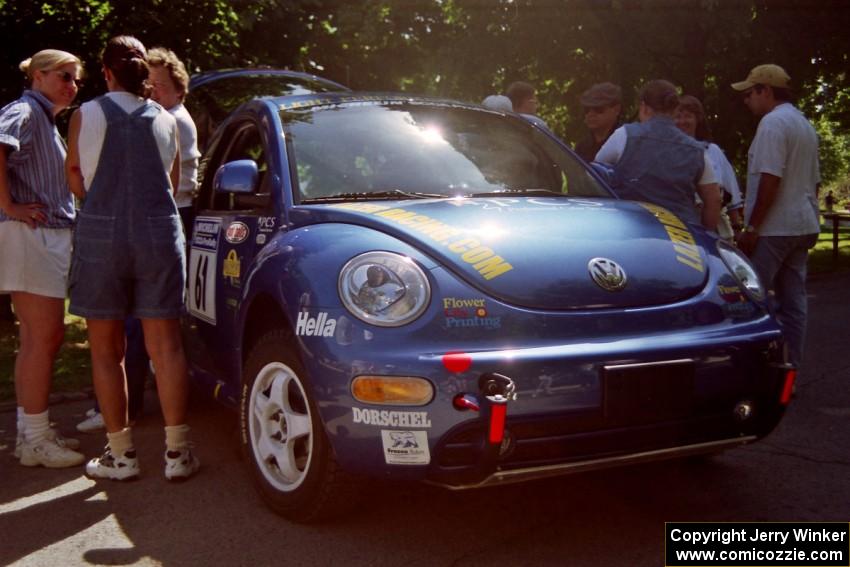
409,150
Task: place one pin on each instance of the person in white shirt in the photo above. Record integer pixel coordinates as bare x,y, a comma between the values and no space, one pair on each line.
690,118
783,175
170,83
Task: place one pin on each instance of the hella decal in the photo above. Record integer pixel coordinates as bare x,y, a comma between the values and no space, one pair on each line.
237,232
472,251
388,418
318,326
687,251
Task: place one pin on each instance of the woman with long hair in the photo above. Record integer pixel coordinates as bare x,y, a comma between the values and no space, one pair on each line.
129,253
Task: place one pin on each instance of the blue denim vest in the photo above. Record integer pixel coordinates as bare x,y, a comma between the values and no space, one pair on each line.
660,165
128,222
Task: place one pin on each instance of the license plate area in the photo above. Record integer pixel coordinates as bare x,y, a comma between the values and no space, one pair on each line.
636,394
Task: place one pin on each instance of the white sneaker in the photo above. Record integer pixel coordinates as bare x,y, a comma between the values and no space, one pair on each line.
48,453
94,422
123,467
53,434
180,465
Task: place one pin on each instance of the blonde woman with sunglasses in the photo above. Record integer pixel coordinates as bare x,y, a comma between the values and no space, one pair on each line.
36,216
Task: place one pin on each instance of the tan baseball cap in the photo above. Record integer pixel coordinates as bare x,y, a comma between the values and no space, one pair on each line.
769,74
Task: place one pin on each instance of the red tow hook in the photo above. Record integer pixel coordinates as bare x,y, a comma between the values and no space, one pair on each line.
788,386
498,390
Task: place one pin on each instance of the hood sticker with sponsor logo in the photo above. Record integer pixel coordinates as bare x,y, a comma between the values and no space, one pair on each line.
482,258
687,251
237,232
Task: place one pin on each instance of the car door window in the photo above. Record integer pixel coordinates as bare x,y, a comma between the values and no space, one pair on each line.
247,143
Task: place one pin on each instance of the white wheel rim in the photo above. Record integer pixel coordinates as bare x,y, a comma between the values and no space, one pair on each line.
280,427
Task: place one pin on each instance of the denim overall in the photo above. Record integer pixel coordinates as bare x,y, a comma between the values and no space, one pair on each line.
129,250
660,165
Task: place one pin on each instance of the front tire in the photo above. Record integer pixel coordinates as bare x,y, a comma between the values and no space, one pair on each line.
283,438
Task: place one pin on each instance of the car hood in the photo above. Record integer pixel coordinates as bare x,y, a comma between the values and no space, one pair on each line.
542,253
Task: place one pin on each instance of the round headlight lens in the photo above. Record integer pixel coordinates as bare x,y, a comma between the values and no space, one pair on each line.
384,289
741,268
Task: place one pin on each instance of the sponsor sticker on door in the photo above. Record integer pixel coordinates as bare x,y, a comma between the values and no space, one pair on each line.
405,447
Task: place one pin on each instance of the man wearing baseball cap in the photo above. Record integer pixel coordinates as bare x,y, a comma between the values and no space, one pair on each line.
781,212
602,104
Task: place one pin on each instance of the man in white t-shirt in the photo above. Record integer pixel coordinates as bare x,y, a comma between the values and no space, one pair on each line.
781,212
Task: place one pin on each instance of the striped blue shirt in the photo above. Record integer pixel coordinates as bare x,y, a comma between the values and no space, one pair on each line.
36,161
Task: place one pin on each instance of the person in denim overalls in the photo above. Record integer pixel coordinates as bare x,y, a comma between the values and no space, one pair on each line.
129,253
654,161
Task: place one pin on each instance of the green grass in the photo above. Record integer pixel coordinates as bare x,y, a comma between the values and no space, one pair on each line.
820,257
72,371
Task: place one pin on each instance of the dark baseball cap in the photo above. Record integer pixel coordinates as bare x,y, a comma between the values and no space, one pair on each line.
602,94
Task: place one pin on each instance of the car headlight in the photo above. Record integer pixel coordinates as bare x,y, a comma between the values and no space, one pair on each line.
741,268
384,289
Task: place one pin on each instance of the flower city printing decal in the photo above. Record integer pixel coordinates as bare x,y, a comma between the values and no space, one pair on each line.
482,258
237,232
687,251
405,447
318,326
390,418
202,268
468,312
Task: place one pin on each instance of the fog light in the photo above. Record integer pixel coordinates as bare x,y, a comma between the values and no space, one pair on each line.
743,410
392,390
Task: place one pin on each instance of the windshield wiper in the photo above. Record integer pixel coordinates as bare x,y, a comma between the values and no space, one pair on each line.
513,192
376,196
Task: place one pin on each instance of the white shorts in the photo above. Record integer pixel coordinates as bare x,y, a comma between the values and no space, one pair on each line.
34,260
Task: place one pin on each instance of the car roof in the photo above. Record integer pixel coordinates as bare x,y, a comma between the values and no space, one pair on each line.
201,79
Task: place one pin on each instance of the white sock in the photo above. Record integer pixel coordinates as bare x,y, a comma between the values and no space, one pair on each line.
176,437
120,442
20,422
36,426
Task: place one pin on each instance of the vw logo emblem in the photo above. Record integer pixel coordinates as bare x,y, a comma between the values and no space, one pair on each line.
607,274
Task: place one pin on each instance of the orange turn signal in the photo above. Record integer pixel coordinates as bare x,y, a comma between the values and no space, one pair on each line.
392,390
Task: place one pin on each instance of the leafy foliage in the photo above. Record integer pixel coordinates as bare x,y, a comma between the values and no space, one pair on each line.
468,49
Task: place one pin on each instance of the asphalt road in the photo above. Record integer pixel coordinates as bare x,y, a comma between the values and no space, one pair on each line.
801,472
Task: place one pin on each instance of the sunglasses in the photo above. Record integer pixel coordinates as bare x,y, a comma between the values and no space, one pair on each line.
67,77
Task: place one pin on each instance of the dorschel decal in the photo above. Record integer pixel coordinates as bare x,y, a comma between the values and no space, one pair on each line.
405,447
237,232
318,326
389,418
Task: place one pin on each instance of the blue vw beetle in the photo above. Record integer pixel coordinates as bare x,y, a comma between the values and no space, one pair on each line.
410,288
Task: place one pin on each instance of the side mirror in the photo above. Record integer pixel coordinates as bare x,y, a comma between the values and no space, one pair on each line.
238,177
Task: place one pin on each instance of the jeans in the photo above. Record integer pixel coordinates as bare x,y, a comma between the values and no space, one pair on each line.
781,264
